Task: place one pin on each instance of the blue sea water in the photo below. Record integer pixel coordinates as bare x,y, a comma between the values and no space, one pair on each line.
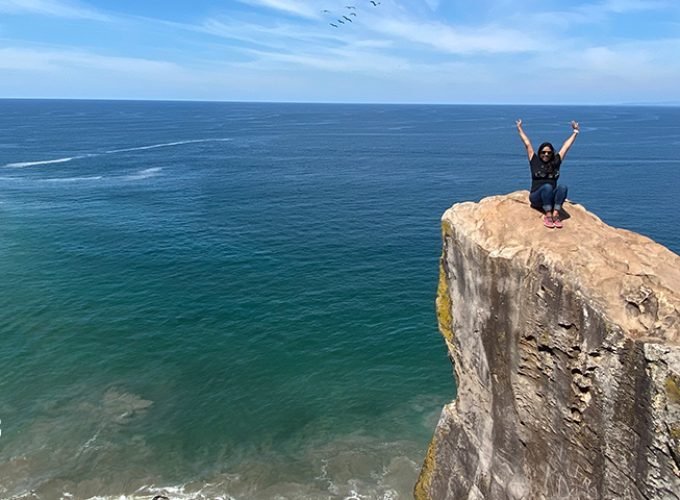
237,300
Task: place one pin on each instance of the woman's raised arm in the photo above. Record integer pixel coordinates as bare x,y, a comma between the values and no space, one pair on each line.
525,139
567,144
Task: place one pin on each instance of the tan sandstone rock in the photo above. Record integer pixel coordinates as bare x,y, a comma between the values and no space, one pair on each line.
566,350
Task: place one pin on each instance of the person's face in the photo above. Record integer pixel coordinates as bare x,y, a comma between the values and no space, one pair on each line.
546,154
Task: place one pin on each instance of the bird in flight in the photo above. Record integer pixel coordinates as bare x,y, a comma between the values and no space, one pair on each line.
375,4
343,19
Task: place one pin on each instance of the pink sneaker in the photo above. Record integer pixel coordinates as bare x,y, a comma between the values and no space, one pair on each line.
547,222
557,223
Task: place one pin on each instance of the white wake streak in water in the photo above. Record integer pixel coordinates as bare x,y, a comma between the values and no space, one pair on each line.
112,151
23,164
165,145
73,179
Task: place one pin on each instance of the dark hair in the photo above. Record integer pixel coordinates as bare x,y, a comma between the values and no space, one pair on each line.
551,163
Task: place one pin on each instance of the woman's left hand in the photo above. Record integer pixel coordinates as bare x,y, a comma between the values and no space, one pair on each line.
574,125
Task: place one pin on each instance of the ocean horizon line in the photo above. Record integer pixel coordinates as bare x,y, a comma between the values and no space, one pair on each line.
664,104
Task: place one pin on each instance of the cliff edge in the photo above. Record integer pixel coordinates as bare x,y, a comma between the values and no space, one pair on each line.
566,350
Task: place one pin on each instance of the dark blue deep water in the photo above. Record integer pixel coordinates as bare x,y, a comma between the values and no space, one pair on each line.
237,300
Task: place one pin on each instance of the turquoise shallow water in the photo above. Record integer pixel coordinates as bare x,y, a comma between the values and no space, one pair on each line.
237,300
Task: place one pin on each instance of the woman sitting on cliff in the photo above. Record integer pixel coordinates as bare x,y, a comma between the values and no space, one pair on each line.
545,193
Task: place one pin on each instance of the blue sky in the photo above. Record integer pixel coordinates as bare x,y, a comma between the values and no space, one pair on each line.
410,51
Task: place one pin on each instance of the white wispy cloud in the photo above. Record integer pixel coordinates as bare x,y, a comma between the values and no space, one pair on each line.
294,7
47,60
590,13
279,35
350,59
629,60
391,31
621,6
53,8
433,4
446,38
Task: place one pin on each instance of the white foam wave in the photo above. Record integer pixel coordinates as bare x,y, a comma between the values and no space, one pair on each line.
144,174
165,145
23,164
343,471
73,179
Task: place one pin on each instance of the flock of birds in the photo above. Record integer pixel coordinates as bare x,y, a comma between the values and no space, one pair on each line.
344,19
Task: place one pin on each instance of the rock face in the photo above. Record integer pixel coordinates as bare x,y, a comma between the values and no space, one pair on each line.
566,349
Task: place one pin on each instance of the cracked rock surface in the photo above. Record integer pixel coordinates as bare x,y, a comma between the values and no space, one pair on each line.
566,350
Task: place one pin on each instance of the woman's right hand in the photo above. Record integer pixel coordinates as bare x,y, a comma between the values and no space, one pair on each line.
519,123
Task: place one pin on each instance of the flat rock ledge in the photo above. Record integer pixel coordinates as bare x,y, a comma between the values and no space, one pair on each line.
566,350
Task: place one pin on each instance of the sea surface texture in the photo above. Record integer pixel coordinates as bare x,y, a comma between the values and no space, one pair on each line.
237,300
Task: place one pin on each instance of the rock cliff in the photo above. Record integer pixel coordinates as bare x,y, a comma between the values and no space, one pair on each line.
566,350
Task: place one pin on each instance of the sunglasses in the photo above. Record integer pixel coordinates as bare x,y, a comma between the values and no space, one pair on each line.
546,152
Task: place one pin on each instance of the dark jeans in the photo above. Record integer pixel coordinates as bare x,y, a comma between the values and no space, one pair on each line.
548,198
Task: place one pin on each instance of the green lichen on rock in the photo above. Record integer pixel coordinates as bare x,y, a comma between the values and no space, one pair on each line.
444,317
447,230
675,431
443,302
673,388
422,488
545,338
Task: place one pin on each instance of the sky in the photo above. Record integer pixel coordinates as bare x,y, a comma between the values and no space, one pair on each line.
393,51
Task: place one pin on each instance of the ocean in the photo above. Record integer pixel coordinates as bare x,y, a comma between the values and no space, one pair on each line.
236,300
